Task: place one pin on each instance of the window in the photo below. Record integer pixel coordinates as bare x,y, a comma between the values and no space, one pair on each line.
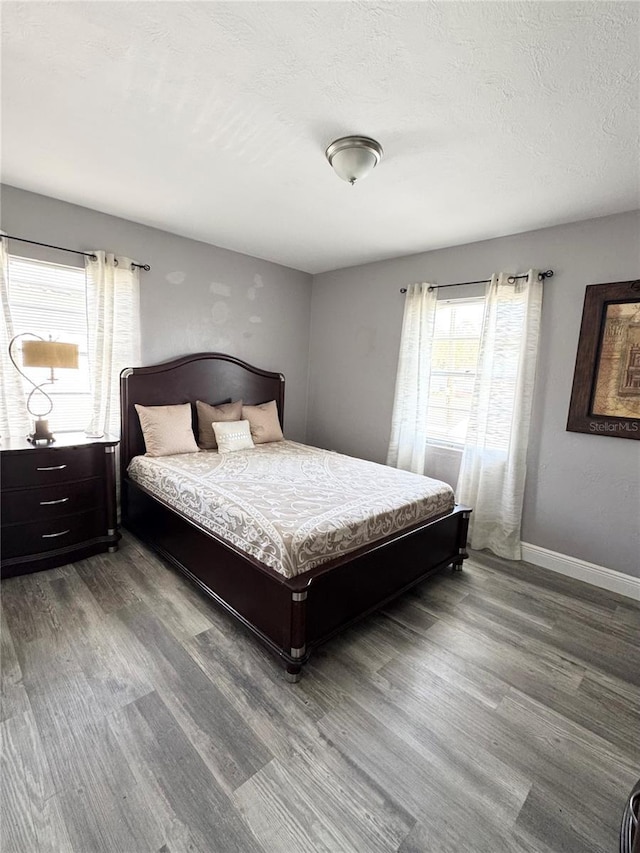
454,356
50,299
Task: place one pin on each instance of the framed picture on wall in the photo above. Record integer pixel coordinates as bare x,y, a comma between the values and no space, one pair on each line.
605,399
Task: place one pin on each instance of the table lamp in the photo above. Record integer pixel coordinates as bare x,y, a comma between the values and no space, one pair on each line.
41,353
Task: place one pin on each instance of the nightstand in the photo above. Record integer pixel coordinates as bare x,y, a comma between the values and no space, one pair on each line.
58,502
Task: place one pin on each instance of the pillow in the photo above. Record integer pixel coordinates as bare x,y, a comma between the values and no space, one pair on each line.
167,429
208,414
232,436
264,422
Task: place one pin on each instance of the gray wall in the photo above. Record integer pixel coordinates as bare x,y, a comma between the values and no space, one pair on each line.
583,491
196,297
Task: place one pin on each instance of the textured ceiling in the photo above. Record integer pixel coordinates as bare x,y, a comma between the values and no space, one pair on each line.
210,119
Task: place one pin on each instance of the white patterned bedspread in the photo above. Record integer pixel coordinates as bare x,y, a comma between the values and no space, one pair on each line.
290,506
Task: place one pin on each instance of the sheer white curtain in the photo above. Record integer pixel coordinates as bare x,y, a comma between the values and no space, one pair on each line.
14,419
408,444
493,469
113,328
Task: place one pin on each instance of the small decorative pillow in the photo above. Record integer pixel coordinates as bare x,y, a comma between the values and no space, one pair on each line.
167,429
232,436
208,414
264,422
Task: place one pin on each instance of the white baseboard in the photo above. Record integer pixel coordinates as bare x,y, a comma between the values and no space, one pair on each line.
582,571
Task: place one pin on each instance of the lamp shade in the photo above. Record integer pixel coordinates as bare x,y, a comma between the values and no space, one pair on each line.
49,354
353,157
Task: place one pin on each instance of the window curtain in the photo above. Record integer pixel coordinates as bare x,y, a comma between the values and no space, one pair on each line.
113,330
14,419
493,468
408,444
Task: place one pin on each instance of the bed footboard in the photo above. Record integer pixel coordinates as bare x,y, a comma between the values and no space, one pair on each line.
293,616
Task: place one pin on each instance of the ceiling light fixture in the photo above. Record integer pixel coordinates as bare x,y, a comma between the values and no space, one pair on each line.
353,157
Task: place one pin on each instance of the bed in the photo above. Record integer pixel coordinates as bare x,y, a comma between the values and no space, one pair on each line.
291,598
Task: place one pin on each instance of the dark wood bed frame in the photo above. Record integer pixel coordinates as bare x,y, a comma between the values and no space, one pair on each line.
290,615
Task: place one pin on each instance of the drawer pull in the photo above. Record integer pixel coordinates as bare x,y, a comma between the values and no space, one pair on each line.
50,503
52,468
53,535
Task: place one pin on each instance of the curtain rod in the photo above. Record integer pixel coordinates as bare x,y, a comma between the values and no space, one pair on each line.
93,257
511,280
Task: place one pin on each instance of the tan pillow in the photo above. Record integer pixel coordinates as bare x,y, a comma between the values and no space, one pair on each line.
167,429
264,422
208,414
232,436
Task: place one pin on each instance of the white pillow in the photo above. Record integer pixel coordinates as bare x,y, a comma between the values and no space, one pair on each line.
232,436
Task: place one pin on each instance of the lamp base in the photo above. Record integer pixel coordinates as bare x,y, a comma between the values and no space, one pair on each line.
41,432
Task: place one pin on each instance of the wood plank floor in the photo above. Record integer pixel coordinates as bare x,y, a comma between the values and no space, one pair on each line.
493,711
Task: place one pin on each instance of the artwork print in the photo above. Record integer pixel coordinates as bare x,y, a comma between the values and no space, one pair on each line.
617,390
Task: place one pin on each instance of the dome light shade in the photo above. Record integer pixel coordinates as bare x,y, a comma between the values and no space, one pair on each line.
353,157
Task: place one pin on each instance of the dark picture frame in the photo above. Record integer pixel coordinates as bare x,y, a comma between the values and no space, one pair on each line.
606,380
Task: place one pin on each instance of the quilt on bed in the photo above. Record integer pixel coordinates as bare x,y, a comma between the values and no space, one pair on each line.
291,506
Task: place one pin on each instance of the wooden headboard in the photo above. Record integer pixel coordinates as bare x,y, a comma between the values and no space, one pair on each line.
208,376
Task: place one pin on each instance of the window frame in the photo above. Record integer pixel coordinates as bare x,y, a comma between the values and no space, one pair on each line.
85,376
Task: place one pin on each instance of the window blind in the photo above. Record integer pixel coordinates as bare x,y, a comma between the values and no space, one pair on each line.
454,356
50,300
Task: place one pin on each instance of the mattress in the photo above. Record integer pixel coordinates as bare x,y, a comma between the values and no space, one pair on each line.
290,506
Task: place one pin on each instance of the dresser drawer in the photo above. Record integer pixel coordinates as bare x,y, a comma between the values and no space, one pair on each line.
19,540
47,466
41,504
